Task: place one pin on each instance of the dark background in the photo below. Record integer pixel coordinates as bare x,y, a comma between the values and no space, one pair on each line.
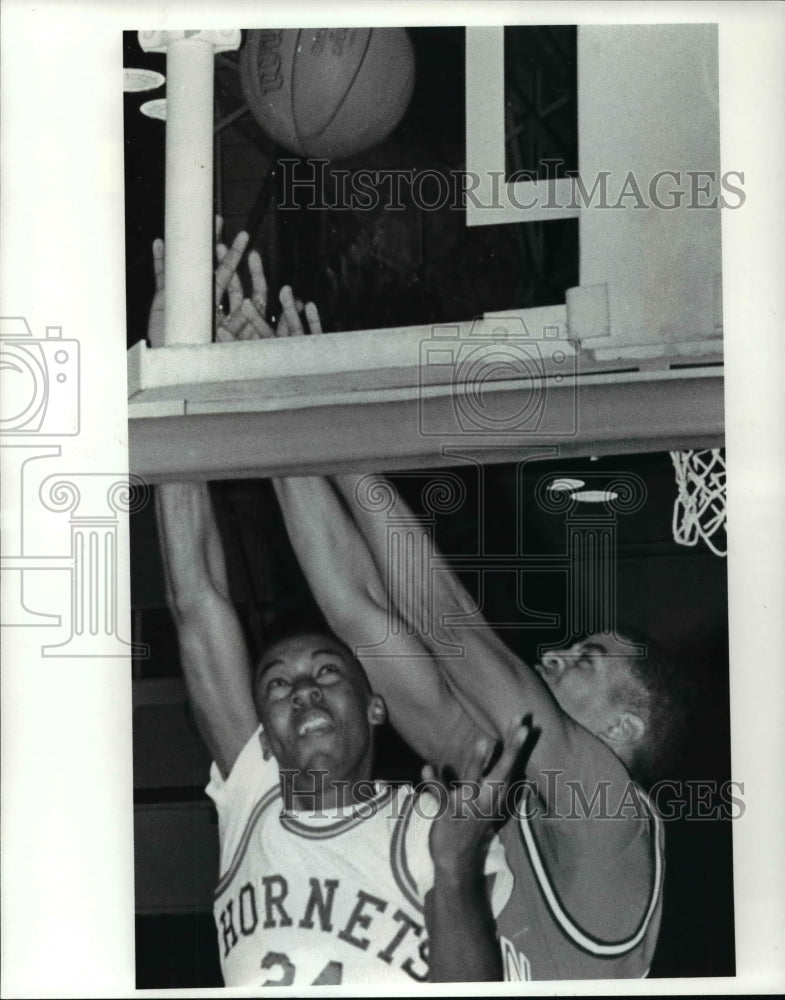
369,270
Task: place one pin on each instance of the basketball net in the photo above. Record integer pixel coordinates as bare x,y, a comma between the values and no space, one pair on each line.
699,511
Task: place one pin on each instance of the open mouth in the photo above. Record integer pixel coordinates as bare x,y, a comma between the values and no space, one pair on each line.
315,721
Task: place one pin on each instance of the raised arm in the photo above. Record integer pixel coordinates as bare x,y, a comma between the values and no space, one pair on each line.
463,944
213,651
499,689
344,579
496,686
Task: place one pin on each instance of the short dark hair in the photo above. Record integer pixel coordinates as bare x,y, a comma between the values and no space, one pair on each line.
293,625
662,695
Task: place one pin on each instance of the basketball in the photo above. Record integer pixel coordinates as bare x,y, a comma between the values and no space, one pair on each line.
328,92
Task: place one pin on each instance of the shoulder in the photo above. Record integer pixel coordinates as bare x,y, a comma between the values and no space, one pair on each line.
410,855
608,890
251,764
240,798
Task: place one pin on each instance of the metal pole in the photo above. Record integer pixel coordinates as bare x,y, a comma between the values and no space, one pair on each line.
189,193
188,227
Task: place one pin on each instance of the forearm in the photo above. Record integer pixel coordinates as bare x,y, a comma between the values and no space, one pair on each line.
344,579
361,495
493,684
463,946
213,651
331,552
191,547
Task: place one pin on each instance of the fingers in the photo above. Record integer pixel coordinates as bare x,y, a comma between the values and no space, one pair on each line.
245,323
235,288
518,732
428,773
158,264
246,318
235,293
293,323
313,318
232,327
258,281
219,224
261,328
477,761
229,264
290,323
517,735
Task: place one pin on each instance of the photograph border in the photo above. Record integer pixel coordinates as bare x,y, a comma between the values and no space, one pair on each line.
67,906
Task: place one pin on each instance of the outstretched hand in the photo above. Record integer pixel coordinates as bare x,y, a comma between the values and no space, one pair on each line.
472,808
246,318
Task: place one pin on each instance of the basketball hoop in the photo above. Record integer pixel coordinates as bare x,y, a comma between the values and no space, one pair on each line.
699,511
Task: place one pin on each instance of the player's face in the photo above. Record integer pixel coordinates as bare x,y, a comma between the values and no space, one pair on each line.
315,707
585,680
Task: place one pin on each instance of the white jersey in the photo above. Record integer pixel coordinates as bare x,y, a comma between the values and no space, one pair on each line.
334,896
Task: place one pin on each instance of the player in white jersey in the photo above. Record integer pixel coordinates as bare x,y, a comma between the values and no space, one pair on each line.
323,894
325,877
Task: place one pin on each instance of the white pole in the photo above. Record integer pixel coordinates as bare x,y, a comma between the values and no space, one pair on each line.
189,192
188,226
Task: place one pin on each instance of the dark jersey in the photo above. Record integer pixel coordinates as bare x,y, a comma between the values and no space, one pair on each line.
542,940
